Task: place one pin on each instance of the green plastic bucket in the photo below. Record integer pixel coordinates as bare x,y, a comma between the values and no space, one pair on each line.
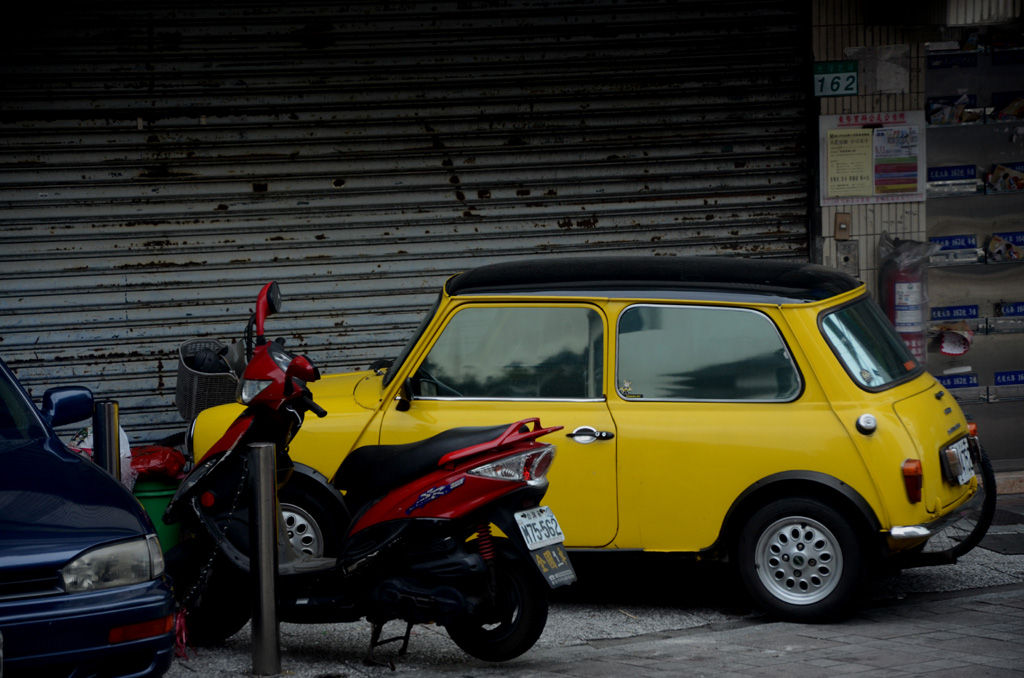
154,494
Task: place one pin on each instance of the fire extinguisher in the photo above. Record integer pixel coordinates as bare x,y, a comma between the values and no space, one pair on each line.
907,310
903,291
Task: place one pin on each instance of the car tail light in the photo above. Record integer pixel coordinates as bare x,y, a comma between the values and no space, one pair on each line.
913,477
147,629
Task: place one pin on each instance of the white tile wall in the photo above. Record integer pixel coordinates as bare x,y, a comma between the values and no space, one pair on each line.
836,25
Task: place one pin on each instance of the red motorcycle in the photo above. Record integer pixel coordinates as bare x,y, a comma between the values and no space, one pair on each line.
409,527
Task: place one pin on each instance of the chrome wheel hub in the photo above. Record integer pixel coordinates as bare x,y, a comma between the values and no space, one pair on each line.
303,531
798,560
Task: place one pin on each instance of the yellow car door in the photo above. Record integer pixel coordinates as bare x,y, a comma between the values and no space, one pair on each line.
710,400
498,363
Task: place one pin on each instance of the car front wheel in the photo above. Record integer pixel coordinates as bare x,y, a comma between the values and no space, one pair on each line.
800,560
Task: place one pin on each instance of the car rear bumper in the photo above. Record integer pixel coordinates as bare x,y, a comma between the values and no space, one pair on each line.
925,530
73,631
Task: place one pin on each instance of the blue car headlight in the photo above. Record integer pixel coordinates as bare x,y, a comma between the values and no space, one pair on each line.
130,562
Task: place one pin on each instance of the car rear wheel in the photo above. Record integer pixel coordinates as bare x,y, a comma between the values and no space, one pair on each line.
800,560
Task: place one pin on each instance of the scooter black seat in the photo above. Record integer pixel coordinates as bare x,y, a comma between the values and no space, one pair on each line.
372,471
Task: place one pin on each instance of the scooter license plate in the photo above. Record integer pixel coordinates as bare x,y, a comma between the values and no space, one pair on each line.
543,536
553,563
539,527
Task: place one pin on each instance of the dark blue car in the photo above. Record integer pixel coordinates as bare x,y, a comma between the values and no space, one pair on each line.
82,586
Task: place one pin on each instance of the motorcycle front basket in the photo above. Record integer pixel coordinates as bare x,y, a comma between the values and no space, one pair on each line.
195,391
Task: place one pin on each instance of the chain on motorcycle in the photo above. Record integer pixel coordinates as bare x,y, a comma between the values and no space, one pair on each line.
207,569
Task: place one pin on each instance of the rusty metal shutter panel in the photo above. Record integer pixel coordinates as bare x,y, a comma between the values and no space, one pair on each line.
159,163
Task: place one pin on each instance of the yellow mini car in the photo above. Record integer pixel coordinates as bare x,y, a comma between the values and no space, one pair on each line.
755,411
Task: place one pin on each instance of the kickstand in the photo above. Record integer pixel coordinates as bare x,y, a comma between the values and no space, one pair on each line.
376,642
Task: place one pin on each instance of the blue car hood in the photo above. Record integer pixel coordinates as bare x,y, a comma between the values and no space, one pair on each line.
55,504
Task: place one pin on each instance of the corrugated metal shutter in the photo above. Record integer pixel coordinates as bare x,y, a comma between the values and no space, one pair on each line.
160,161
981,12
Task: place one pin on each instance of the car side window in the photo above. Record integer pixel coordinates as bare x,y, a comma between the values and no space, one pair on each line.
702,353
511,352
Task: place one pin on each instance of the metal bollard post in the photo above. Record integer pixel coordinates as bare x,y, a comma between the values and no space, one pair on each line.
266,636
106,437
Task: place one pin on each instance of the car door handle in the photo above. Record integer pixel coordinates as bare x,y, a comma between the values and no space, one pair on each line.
586,435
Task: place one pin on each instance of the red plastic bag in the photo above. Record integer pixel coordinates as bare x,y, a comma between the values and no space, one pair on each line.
157,460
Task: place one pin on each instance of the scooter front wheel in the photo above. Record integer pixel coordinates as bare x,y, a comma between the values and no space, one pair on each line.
214,594
511,624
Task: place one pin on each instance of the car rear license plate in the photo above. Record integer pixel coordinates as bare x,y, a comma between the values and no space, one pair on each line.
958,457
539,527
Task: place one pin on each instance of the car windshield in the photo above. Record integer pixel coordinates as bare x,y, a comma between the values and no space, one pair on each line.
867,345
413,340
19,420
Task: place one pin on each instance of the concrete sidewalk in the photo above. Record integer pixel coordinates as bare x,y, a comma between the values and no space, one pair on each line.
962,620
960,633
1010,482
935,635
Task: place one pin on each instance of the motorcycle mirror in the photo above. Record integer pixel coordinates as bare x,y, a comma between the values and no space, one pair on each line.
274,299
268,302
301,368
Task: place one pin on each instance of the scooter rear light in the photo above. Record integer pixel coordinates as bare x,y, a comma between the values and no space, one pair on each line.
541,462
913,477
207,499
526,467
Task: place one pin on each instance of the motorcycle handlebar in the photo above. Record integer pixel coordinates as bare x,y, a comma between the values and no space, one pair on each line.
313,407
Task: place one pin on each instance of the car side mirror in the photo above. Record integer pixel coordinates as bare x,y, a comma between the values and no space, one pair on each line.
404,396
67,405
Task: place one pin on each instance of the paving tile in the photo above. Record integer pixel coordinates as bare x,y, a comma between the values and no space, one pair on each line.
942,664
893,630
962,672
802,669
883,672
1009,664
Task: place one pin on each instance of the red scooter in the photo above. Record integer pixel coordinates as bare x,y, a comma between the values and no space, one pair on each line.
412,524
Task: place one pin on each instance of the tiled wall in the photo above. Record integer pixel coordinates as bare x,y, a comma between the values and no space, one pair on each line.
837,25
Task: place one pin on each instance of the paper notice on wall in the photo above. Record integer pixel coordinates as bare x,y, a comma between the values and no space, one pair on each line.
872,158
849,162
896,160
885,69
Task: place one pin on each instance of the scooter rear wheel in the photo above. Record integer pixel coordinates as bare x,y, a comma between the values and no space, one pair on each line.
510,626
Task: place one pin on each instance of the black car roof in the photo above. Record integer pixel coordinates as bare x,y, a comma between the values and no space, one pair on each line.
618,276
